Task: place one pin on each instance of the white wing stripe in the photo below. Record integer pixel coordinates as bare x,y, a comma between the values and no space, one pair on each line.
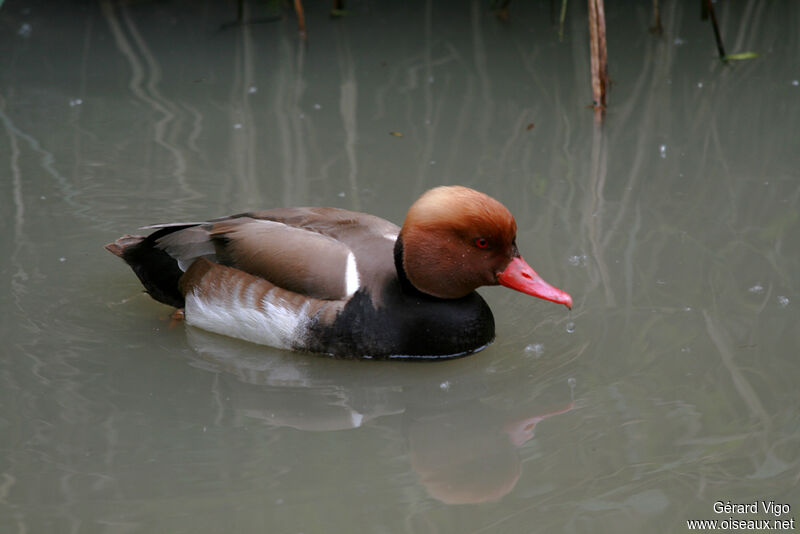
351,278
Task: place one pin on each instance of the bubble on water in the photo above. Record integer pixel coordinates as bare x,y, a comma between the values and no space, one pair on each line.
317,106
570,327
700,85
796,83
686,349
237,126
75,102
678,41
341,194
430,79
535,349
62,259
24,30
432,162
757,289
571,382
445,386
252,89
663,151
783,301
578,260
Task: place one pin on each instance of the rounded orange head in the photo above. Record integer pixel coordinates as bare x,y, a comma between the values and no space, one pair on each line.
456,239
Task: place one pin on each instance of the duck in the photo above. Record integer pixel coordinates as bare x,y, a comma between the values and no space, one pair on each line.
340,282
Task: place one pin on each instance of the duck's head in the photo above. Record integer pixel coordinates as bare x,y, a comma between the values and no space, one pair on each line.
456,239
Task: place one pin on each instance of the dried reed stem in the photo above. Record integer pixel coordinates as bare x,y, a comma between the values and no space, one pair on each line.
599,58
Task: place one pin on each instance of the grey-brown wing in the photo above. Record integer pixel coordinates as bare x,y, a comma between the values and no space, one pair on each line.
320,252
293,258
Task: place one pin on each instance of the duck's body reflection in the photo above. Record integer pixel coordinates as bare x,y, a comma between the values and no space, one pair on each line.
461,449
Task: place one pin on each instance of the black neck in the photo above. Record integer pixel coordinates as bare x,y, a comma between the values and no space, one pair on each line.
405,283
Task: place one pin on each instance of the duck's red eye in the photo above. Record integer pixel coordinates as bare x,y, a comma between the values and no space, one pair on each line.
481,242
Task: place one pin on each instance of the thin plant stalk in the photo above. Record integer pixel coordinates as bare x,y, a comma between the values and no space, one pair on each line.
599,57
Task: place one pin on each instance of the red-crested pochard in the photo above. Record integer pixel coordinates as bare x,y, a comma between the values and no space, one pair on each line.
340,282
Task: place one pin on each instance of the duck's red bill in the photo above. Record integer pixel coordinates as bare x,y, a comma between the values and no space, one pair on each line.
521,276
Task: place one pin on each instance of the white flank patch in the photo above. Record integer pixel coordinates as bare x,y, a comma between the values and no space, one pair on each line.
279,325
351,279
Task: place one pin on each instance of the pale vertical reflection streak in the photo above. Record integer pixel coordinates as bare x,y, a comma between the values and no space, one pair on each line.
7,481
647,110
159,102
513,142
628,261
430,88
289,90
529,113
649,122
172,116
649,87
16,179
559,128
68,192
299,126
20,275
379,93
462,125
244,135
596,207
483,124
197,129
724,345
282,82
348,106
432,111
77,164
749,25
149,94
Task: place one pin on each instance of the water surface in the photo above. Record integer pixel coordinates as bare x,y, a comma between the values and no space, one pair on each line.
672,384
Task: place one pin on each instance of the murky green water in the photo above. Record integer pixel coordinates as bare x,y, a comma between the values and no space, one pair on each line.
671,385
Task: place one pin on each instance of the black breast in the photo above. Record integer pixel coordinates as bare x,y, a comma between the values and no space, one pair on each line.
407,325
